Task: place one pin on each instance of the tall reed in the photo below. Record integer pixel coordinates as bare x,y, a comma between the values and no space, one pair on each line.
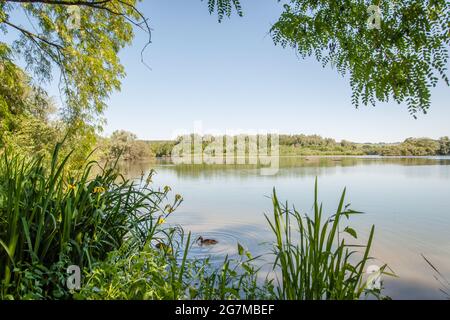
312,257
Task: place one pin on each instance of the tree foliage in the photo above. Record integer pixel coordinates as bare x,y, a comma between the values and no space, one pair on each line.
224,8
316,145
124,144
402,60
444,146
162,148
85,50
82,38
24,107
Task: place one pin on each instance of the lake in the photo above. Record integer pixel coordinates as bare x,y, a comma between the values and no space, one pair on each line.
407,199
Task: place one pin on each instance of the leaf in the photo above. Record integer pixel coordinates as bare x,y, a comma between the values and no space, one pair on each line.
351,232
240,249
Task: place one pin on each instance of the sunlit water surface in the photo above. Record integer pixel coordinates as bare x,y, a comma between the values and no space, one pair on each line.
407,199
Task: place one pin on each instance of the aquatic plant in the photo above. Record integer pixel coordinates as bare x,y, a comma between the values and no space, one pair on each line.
313,257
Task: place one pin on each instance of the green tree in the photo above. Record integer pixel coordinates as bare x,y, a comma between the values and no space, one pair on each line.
120,143
444,146
162,148
401,60
125,144
24,108
85,50
82,38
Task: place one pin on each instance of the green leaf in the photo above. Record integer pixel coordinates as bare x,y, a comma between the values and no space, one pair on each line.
240,249
351,232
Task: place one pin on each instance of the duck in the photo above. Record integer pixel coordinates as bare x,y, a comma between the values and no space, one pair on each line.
201,241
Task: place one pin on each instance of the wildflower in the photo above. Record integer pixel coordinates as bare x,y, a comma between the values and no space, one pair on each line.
167,189
70,187
161,220
168,208
178,197
99,190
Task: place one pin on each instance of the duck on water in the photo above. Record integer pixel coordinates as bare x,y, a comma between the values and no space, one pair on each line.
206,242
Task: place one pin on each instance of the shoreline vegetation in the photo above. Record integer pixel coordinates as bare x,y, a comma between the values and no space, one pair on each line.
126,145
116,232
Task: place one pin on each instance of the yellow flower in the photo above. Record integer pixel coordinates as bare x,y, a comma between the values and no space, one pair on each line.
164,247
99,190
70,187
178,197
167,189
161,220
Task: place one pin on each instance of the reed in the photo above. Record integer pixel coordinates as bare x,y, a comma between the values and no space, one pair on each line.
312,257
444,283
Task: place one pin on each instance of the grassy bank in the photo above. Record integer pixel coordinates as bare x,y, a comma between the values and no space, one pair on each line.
115,230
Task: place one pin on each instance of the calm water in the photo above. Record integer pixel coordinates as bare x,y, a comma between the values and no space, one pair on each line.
407,199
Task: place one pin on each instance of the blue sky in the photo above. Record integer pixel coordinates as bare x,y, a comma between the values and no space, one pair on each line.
231,76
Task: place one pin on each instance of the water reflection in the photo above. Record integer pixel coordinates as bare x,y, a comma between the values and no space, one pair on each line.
303,166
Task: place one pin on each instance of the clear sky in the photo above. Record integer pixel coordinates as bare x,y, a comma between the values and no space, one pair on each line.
231,76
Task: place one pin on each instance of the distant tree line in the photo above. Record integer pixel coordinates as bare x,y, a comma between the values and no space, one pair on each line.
301,144
314,144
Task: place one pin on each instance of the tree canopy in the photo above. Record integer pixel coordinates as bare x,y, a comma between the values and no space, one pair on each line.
82,39
401,58
83,43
